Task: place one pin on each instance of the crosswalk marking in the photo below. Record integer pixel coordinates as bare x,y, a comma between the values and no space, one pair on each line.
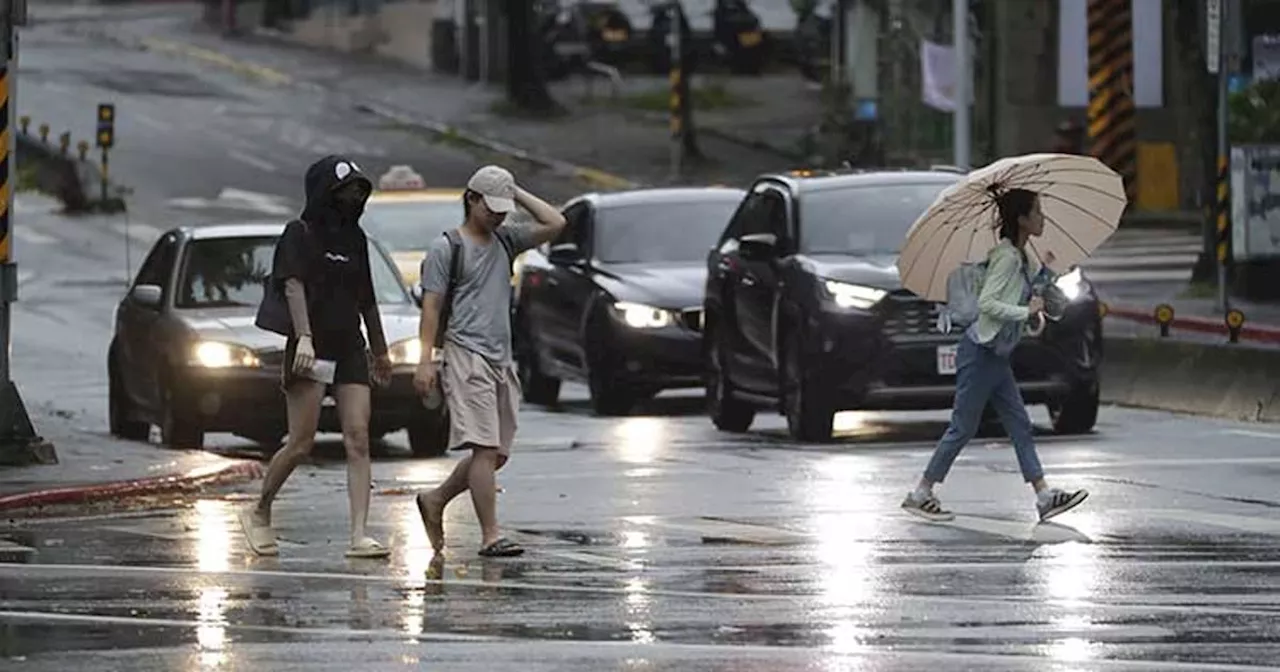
1145,256
29,235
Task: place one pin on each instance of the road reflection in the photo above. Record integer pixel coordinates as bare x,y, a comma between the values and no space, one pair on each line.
1070,575
846,525
639,440
212,521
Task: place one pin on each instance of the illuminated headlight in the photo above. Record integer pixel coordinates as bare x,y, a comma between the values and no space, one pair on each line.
408,351
216,355
846,295
640,316
1071,284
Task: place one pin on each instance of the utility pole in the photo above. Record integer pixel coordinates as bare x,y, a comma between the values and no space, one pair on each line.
684,142
18,441
1219,63
963,126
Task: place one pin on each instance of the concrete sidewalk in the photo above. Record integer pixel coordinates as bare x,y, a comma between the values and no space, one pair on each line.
610,139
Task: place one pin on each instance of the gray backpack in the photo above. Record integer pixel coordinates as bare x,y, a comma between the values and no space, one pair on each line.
964,285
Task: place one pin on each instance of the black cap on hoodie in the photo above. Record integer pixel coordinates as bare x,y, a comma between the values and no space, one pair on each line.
323,178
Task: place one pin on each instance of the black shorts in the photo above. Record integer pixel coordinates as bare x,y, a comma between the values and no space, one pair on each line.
352,364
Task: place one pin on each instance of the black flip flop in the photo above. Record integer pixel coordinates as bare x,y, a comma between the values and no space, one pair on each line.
502,548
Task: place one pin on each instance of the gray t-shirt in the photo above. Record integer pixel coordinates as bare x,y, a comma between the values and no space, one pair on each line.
481,319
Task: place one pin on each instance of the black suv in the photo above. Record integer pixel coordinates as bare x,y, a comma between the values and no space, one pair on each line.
805,312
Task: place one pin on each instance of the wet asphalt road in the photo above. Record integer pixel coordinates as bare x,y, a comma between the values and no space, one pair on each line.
655,543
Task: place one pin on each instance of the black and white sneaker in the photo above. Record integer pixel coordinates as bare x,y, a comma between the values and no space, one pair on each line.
928,508
1053,502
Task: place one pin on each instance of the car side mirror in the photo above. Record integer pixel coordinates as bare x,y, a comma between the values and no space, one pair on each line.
416,292
565,254
148,296
758,247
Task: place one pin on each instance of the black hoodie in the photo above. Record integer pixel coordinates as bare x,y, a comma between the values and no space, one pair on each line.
328,251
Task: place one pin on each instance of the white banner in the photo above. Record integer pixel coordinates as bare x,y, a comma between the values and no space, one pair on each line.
938,76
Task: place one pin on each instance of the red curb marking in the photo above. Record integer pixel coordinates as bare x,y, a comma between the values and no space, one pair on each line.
239,471
1262,334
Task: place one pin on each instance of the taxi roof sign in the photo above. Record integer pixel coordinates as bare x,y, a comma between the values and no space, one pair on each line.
401,178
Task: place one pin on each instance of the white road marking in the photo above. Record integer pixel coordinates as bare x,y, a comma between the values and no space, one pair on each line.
8,547
1165,462
151,121
593,559
1137,260
25,276
29,235
1174,275
719,529
1255,434
249,159
1012,529
641,648
1250,524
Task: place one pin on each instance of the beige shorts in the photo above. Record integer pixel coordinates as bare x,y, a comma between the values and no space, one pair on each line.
483,400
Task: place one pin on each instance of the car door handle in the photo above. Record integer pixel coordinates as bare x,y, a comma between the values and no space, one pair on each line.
748,281
552,280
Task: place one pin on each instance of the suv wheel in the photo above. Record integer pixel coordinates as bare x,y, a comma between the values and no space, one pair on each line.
728,414
1077,412
808,417
179,429
535,386
429,434
608,396
119,410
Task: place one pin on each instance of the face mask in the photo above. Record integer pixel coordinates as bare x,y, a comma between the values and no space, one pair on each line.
349,202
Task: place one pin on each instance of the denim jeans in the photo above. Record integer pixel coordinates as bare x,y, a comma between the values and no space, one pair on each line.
982,376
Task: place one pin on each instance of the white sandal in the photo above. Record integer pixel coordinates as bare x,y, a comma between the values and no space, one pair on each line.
368,548
261,538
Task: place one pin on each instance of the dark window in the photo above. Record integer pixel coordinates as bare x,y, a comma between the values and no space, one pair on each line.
657,232
410,225
862,219
231,272
157,268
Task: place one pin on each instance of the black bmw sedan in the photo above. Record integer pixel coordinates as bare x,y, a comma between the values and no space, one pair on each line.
187,357
806,314
616,301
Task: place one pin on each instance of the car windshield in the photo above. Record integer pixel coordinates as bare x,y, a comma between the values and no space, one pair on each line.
658,232
864,219
410,225
231,272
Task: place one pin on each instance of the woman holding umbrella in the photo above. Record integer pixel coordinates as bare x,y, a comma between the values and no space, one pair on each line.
1066,203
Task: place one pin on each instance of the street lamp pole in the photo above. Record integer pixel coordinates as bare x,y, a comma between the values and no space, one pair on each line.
960,118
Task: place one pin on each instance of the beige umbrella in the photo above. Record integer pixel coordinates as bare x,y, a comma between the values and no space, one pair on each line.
1082,200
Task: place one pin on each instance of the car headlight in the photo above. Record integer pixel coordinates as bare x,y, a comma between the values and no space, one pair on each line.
217,355
640,316
408,351
1071,284
846,295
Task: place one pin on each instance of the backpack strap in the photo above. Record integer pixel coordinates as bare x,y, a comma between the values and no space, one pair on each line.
506,246
455,271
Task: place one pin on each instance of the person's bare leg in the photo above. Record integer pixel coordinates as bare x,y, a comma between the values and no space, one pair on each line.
303,403
484,492
353,410
431,504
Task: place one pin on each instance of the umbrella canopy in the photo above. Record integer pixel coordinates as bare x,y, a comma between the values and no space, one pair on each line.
1082,200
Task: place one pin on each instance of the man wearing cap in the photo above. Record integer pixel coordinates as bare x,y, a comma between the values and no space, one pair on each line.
477,372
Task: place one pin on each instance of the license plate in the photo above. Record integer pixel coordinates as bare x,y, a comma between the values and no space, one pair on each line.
615,35
947,360
328,402
750,39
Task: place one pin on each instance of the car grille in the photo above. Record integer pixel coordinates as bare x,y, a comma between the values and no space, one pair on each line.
908,318
271,358
691,318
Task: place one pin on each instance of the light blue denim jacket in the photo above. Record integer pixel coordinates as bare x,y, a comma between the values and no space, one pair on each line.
1002,303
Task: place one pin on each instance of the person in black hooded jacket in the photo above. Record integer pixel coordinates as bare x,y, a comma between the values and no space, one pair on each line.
321,265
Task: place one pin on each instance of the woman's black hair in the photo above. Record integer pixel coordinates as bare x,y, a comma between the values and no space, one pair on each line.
1012,206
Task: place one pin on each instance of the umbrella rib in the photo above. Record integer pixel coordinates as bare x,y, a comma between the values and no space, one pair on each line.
1086,187
1069,236
1104,223
934,275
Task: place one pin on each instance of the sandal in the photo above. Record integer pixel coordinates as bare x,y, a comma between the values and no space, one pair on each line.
502,548
261,538
368,548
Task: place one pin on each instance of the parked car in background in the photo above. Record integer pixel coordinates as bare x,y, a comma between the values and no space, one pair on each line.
616,301
805,312
186,355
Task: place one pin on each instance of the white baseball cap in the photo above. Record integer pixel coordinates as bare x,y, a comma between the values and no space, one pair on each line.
498,187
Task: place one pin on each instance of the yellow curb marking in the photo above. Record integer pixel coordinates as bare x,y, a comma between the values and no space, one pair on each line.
264,73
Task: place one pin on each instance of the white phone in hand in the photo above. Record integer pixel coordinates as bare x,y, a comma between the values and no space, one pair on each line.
322,370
